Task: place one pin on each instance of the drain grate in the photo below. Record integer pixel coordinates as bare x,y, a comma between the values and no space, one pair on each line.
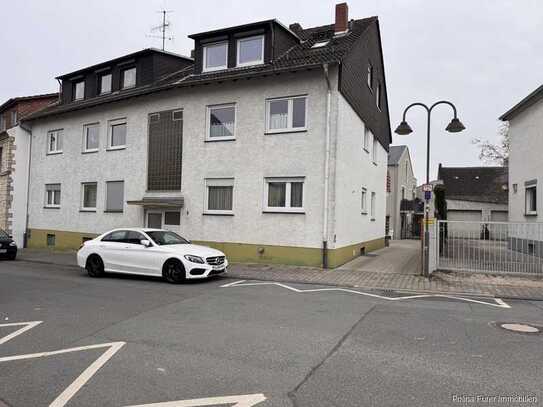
519,327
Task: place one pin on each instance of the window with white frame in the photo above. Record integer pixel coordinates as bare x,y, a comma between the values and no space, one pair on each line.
368,137
531,200
128,78
54,141
13,117
52,195
250,51
378,96
375,151
91,137
284,195
372,205
114,196
221,122
89,193
286,114
117,134
364,201
219,197
370,76
79,90
105,83
215,56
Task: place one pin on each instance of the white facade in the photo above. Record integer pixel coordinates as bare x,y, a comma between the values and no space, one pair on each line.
248,160
525,162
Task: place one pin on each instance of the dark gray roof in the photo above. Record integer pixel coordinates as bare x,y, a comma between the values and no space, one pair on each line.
528,101
297,58
475,184
395,153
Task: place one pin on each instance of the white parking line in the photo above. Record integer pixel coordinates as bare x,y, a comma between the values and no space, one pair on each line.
247,400
497,301
26,327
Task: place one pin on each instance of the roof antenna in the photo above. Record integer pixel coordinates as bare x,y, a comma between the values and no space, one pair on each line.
162,29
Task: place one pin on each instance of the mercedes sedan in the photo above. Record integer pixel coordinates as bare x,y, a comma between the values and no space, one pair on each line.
153,252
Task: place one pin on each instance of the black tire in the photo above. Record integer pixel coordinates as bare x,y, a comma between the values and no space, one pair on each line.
174,272
95,266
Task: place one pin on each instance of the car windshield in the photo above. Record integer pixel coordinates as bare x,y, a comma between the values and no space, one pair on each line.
3,235
161,238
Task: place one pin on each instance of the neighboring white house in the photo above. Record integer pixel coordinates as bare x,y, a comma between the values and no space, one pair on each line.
526,170
262,152
474,195
401,193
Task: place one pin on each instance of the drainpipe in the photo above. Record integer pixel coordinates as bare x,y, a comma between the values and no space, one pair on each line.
29,131
326,169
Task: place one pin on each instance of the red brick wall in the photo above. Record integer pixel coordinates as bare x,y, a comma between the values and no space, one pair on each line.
26,107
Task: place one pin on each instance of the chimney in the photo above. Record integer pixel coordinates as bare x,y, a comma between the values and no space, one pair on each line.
342,18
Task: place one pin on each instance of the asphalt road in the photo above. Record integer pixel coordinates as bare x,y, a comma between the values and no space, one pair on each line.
295,348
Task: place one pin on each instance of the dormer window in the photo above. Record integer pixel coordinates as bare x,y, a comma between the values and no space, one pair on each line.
79,90
128,78
216,56
105,83
250,51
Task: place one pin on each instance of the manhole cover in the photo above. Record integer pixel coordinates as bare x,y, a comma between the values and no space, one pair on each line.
519,327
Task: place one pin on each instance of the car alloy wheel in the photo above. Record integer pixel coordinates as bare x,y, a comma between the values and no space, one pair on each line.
175,272
95,266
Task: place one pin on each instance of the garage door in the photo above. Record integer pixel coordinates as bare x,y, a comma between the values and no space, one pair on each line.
499,216
470,226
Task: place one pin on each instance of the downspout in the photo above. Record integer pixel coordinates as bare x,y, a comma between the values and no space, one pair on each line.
29,131
326,169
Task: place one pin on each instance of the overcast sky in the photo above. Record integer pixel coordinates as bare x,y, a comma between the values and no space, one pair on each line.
483,55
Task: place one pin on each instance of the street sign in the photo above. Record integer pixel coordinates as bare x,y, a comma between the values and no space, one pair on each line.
427,187
427,195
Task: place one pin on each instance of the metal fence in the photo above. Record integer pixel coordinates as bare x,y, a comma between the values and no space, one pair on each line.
490,247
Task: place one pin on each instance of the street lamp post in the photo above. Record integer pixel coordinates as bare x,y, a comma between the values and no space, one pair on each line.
454,126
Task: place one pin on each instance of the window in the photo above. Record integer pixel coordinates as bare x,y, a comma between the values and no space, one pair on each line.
375,151
133,237
284,195
378,96
403,193
320,44
368,136
14,117
364,201
89,193
79,90
221,122
286,114
219,196
54,142
117,236
216,56
128,78
250,51
52,195
50,239
172,218
2,123
114,196
372,208
91,137
117,134
1,159
531,200
370,76
177,115
105,83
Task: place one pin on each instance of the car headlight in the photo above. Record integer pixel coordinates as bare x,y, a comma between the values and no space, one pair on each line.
194,259
13,244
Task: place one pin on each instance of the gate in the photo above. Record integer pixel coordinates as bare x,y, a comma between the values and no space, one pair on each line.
490,247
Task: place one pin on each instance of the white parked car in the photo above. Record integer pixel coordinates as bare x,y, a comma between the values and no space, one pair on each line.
153,252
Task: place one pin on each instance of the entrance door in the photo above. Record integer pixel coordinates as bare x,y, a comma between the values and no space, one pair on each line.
154,220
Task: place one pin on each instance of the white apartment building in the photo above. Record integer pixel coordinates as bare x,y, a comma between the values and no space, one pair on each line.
254,146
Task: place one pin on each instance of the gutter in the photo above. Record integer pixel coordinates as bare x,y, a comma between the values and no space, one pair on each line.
29,131
326,169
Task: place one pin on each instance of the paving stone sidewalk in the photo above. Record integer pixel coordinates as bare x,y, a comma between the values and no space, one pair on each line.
361,277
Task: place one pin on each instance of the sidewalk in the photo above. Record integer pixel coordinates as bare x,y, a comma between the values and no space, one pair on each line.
368,272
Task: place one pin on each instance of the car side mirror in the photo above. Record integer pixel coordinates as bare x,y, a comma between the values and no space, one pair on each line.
145,242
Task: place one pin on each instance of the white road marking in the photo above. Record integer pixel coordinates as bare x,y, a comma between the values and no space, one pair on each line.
247,400
498,302
26,327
